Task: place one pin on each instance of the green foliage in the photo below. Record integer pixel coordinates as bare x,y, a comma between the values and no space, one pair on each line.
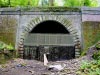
68,3
6,52
18,3
91,3
3,3
7,47
98,45
2,45
92,67
10,47
96,55
73,3
87,2
89,68
94,3
84,65
14,3
76,3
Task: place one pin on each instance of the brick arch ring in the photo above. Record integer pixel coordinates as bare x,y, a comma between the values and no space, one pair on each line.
65,22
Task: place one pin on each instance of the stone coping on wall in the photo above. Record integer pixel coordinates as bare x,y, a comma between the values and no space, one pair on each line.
19,10
39,9
47,8
91,10
84,8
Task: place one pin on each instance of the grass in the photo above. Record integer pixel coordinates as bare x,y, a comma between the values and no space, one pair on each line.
90,67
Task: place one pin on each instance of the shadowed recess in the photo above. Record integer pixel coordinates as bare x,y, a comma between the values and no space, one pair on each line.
50,26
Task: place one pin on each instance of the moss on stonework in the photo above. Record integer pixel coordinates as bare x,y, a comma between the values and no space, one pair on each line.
54,9
41,9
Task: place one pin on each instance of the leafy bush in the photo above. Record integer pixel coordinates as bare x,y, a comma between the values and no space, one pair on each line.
2,45
9,47
6,52
98,46
96,55
90,68
5,46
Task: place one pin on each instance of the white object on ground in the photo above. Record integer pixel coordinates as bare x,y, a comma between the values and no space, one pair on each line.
58,67
45,60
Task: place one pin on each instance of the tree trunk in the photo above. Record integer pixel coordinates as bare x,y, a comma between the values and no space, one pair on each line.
51,2
9,3
29,2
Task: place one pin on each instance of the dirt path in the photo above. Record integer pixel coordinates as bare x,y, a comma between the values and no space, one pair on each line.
29,67
33,67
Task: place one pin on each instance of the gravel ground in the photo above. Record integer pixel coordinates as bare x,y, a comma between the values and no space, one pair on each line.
32,67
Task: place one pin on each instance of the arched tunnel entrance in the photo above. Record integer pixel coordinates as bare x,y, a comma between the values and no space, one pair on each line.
49,37
50,27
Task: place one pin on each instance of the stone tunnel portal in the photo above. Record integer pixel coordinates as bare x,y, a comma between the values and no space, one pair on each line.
50,37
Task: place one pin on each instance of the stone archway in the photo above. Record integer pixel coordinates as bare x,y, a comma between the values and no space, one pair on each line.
61,20
50,27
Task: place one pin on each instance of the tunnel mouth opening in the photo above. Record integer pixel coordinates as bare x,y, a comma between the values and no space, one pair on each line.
50,27
52,39
53,53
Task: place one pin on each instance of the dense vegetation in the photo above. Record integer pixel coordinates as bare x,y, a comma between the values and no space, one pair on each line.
68,3
6,52
91,3
93,67
90,68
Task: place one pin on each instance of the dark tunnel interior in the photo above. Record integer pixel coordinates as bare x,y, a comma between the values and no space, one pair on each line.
50,27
